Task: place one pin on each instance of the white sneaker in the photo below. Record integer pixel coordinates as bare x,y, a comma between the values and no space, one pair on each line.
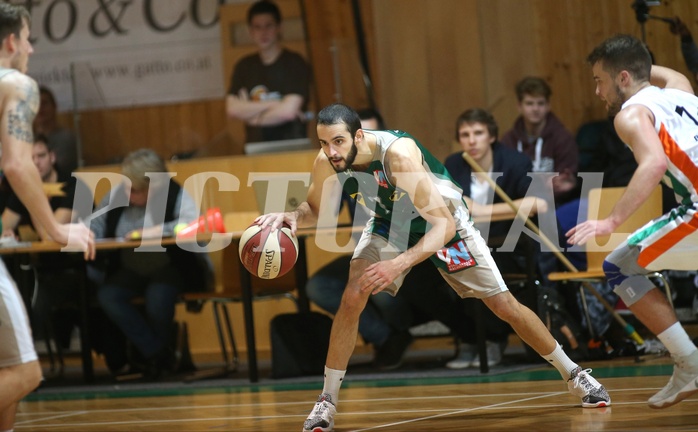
321,418
682,384
494,355
466,355
582,384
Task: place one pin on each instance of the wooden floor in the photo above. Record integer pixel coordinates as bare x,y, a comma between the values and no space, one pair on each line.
536,400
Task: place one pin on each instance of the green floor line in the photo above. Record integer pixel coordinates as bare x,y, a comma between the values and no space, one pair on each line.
189,390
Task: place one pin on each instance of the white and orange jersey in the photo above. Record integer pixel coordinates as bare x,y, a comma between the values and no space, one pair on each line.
676,122
670,241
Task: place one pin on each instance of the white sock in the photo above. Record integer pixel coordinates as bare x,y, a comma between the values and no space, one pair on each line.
333,381
676,340
562,363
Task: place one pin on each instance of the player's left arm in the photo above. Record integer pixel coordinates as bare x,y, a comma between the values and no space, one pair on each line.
404,165
664,77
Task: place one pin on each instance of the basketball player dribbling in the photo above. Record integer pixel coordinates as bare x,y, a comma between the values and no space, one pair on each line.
419,214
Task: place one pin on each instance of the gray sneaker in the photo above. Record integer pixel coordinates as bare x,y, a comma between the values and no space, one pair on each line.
582,384
682,384
321,418
494,354
466,355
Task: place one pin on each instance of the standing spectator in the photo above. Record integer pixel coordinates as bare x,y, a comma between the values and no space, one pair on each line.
538,133
269,90
688,45
61,141
157,276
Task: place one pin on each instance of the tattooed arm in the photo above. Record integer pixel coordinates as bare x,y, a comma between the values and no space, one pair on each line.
20,103
20,107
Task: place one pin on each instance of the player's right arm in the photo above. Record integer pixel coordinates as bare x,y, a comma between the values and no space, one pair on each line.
306,214
668,78
19,107
635,126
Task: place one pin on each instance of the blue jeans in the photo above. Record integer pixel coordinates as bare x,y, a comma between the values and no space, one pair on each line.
383,313
148,333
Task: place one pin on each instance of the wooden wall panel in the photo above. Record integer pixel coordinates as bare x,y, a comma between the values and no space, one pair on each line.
337,70
452,70
423,87
504,58
405,82
429,60
425,79
108,135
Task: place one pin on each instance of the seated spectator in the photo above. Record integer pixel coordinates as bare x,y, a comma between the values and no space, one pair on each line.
601,151
57,295
540,135
16,214
158,277
385,321
61,141
371,119
476,132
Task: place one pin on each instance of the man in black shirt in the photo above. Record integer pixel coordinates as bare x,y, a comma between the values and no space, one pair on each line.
269,89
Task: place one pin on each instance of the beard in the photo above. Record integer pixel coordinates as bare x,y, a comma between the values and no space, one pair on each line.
348,161
615,105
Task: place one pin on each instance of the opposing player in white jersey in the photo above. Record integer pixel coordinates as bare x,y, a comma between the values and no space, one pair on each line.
20,371
660,125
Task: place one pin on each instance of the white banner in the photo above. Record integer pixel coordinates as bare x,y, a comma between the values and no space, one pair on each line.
126,52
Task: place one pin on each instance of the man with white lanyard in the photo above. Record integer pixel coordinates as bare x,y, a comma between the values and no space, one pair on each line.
539,134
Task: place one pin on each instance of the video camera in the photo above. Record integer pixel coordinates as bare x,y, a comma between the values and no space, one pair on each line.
642,11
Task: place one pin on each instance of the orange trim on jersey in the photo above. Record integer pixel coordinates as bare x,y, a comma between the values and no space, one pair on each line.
653,251
678,157
684,163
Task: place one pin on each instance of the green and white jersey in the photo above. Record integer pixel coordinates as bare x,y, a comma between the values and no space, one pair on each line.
395,216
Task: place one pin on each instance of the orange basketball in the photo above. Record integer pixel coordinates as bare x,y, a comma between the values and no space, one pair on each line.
267,254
